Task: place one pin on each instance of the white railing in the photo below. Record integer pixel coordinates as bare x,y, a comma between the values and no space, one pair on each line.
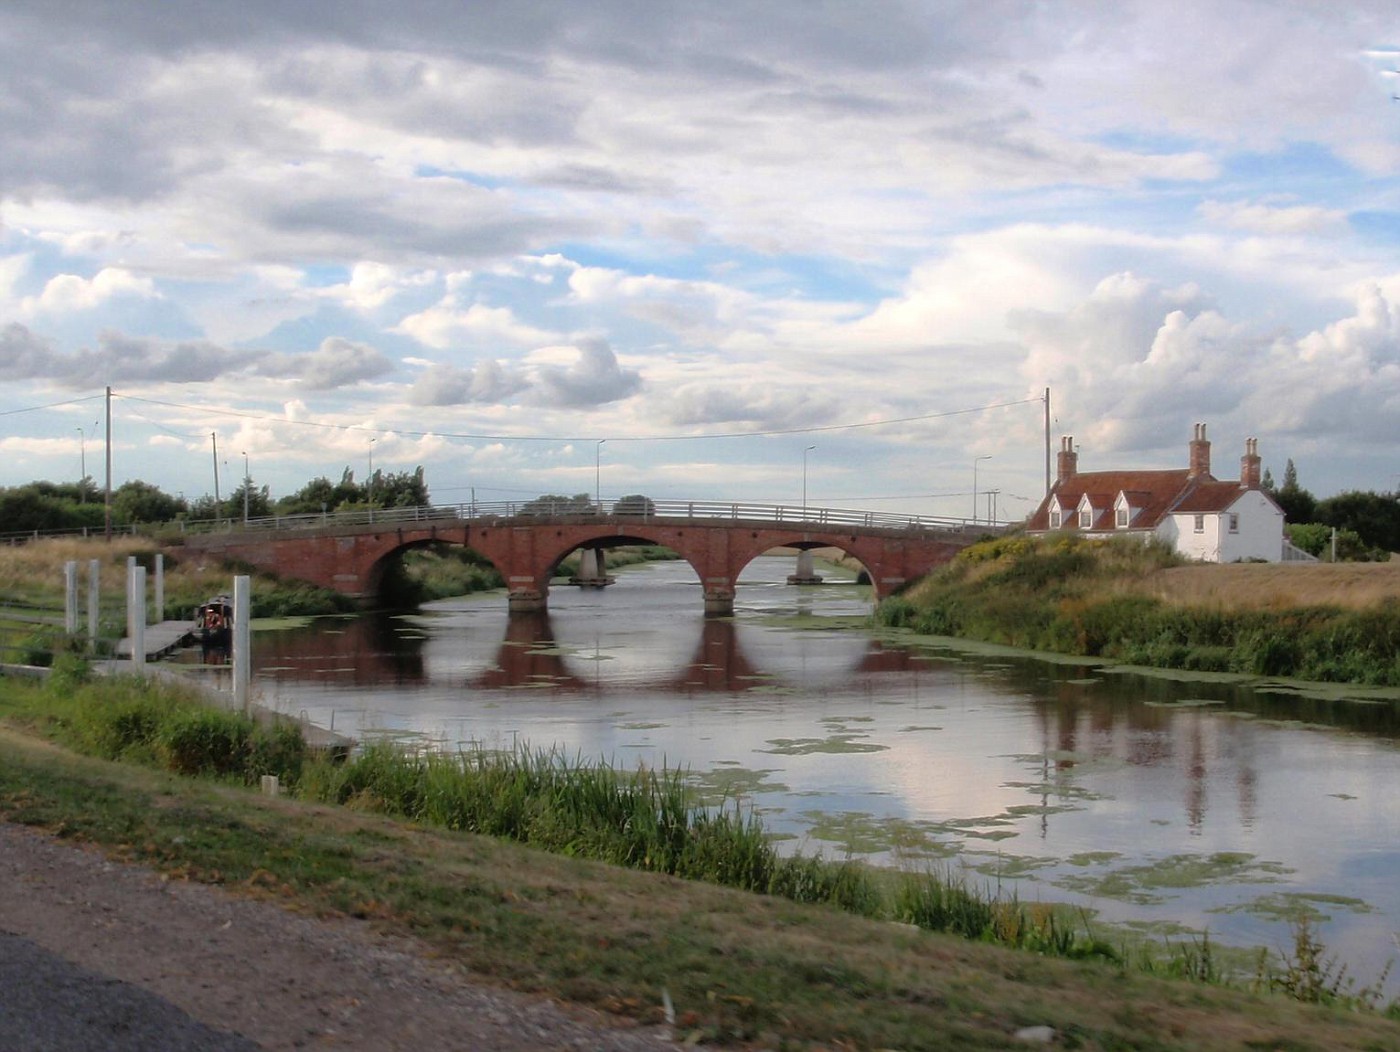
623,511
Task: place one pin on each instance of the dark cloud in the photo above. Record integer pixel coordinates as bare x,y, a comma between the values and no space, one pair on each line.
27,356
336,363
489,382
23,355
594,379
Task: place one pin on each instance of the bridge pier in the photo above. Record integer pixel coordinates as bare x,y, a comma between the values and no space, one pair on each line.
719,600
806,572
592,569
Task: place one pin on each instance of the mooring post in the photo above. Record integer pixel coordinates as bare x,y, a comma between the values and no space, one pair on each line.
160,588
70,597
136,613
94,599
242,637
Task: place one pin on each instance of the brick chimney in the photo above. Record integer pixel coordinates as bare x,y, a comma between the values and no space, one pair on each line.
1067,461
1250,464
1200,453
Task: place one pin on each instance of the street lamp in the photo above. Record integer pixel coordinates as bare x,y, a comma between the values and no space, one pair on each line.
804,481
369,483
82,462
984,456
247,481
598,475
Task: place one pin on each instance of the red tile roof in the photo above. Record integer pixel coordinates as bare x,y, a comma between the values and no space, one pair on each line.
1152,495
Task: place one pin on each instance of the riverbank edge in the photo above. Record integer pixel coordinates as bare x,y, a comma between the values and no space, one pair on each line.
735,966
1102,602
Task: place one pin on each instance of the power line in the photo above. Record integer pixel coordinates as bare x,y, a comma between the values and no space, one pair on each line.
51,405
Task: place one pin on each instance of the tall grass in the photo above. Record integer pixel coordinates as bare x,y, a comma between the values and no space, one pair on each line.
1073,596
157,724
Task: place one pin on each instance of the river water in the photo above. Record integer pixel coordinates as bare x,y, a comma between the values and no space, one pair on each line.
1170,806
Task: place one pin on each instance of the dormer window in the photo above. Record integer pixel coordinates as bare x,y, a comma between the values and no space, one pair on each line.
1086,517
1122,516
1056,518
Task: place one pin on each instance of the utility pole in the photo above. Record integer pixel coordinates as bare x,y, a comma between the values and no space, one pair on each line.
1047,441
214,438
107,496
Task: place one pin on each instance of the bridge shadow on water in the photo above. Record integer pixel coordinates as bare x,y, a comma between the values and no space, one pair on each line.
387,651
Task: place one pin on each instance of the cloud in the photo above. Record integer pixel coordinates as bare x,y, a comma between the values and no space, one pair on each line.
593,378
446,325
1260,218
69,292
336,363
444,385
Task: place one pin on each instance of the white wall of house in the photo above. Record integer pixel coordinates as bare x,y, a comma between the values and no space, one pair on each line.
1258,532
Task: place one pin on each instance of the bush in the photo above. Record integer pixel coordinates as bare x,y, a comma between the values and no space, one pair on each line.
205,741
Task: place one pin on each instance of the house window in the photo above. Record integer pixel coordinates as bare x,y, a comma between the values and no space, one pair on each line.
1086,519
1122,516
1200,524
1234,523
1056,518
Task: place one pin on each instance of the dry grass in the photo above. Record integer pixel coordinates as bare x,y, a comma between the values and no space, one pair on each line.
32,574
1273,586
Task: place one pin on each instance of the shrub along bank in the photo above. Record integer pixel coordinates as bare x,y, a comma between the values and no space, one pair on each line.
1072,596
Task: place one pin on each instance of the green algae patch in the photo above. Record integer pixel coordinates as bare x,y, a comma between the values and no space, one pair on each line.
861,833
837,743
1292,906
1151,884
732,782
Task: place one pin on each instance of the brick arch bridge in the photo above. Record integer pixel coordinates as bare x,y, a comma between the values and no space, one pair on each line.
717,540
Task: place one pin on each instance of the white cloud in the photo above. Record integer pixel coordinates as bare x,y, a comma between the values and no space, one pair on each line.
1262,218
70,292
447,325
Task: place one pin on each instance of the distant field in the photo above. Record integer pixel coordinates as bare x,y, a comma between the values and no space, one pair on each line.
1266,586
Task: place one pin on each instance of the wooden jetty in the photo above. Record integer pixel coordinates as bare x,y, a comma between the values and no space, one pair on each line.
162,638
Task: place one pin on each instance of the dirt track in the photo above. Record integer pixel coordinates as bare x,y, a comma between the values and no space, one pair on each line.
241,968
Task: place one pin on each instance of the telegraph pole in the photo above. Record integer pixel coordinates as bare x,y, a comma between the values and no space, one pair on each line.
107,496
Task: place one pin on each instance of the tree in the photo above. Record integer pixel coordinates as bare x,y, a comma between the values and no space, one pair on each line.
320,494
1297,503
138,501
1374,517
552,504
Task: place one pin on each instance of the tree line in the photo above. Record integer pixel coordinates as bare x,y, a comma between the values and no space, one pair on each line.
49,506
1367,523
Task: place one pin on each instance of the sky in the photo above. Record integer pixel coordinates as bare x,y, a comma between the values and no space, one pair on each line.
700,251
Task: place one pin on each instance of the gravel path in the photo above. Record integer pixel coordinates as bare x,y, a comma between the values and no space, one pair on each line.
96,954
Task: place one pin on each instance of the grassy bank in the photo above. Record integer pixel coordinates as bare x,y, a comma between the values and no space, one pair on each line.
811,960
1108,599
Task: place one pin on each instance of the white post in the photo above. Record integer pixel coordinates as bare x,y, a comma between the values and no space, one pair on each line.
136,614
94,600
70,597
160,588
242,637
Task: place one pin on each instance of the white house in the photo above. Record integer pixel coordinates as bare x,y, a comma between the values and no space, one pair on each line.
1188,508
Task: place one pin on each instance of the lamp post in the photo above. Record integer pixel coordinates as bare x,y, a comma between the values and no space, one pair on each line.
975,460
247,479
598,475
369,482
804,481
82,463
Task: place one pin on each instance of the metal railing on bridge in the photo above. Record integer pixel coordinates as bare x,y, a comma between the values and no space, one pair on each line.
626,510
